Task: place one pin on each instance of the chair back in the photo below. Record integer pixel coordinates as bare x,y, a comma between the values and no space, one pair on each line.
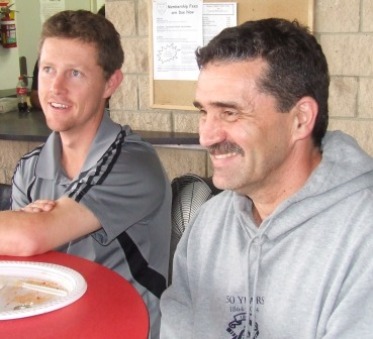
189,192
5,196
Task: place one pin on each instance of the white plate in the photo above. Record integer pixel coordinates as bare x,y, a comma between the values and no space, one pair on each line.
18,301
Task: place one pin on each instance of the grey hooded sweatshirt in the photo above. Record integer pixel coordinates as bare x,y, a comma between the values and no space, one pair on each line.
305,273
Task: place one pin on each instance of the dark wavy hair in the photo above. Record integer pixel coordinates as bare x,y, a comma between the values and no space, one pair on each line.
89,28
297,66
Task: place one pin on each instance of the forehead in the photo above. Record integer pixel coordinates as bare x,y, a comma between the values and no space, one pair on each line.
231,80
62,48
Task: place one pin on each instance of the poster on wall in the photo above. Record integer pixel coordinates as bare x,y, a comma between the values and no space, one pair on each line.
179,28
50,7
177,31
216,16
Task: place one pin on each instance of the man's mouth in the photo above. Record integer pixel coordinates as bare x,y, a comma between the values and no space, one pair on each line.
58,105
223,156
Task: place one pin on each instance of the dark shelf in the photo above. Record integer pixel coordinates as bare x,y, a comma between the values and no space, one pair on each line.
32,127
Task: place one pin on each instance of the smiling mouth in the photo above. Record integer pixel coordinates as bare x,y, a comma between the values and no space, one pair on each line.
57,105
223,156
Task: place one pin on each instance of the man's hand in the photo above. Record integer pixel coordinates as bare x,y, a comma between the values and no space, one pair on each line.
39,206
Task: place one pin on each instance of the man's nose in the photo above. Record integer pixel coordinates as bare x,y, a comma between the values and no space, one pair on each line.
58,84
211,130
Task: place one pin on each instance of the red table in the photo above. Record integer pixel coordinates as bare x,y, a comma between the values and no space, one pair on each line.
110,308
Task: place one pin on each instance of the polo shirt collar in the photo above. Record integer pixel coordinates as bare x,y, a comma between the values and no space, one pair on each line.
49,163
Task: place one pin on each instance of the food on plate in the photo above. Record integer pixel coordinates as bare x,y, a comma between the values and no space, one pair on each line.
18,293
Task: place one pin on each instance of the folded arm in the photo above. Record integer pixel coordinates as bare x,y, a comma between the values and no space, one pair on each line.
23,233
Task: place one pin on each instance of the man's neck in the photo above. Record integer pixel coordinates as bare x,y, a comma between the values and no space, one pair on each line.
76,146
293,178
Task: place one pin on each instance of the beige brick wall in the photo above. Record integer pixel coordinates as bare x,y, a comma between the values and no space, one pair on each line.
10,152
343,27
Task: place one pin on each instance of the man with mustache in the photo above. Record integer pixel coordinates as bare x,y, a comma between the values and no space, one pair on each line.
286,250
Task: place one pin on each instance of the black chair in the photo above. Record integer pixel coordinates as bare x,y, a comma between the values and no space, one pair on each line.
189,192
5,196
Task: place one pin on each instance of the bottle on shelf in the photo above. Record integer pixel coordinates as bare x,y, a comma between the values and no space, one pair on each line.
22,92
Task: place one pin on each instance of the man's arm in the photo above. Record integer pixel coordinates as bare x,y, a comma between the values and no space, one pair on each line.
23,233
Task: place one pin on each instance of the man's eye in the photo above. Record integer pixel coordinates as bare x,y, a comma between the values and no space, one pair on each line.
229,116
46,69
75,73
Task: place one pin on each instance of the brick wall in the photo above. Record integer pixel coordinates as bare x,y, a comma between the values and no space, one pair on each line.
345,30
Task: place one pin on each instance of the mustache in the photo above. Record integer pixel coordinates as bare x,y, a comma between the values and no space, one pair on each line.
225,147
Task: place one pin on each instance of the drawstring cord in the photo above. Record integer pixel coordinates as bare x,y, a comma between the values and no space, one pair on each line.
253,321
250,326
246,329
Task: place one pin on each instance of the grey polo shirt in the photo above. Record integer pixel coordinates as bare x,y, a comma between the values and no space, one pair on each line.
123,183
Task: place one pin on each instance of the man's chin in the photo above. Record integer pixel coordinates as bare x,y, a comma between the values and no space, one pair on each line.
221,182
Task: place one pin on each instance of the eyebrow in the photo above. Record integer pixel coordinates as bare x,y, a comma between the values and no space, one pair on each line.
196,104
219,104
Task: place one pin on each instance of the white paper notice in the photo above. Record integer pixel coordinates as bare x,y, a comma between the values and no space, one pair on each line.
216,17
177,32
50,7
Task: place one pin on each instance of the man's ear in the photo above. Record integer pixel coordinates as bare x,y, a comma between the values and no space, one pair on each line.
305,113
113,83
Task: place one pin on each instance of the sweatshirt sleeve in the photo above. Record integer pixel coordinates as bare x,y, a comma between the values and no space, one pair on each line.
176,301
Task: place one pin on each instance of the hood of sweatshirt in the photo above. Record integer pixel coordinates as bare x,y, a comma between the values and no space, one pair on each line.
344,170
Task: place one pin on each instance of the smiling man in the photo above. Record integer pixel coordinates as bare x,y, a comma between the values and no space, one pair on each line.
98,190
286,250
